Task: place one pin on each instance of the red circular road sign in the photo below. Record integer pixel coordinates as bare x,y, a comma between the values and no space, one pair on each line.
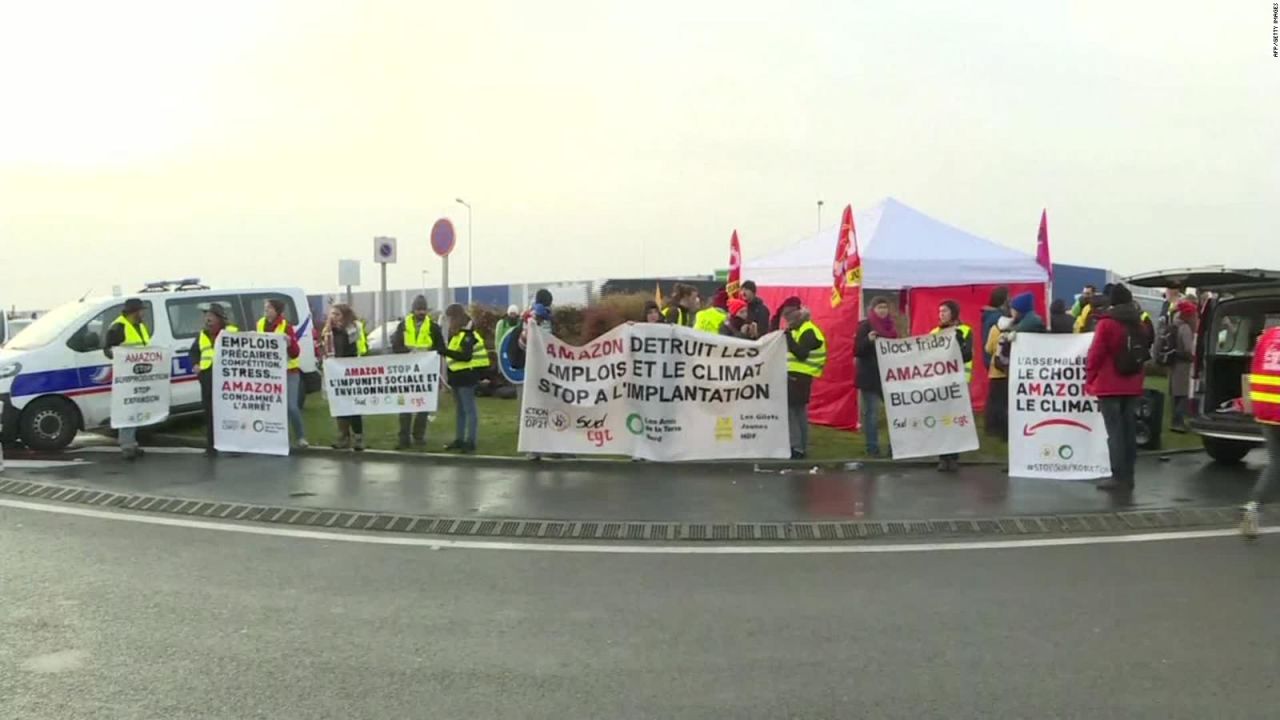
443,238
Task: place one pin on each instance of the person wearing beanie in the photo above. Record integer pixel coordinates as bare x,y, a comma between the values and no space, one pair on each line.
1114,375
709,319
949,321
879,324
416,333
757,311
1180,357
505,324
130,330
739,323
1025,318
775,323
543,297
997,307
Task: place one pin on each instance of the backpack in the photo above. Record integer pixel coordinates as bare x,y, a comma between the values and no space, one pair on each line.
1135,353
1167,344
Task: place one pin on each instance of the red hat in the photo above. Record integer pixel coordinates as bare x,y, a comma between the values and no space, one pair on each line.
1186,307
737,305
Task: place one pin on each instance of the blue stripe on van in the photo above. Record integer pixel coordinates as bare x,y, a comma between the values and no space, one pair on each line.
86,379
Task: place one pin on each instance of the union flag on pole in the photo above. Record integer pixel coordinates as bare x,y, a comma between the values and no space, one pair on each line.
847,268
734,284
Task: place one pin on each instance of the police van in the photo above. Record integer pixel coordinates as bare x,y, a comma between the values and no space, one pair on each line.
55,380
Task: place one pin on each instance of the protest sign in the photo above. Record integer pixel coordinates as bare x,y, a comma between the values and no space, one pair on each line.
250,392
658,392
926,395
382,384
139,386
1055,428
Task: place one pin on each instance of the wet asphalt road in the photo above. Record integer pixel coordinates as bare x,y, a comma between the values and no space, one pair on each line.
105,619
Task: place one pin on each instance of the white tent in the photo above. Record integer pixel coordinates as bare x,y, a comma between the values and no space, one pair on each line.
901,248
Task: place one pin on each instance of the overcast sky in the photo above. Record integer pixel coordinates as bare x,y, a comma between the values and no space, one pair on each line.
257,142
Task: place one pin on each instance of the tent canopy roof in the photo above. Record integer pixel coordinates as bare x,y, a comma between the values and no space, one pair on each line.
901,247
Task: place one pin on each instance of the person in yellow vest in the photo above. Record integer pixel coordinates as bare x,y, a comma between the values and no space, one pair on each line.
709,319
468,362
273,320
1264,396
684,302
416,333
949,321
346,334
128,330
806,357
201,356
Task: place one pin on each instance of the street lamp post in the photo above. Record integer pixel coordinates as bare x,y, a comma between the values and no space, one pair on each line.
819,216
470,244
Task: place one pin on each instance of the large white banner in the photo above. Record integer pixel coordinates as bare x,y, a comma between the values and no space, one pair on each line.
249,393
926,395
658,392
139,386
382,384
1055,429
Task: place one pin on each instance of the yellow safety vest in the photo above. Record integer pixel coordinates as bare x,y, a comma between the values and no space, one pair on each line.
206,347
283,329
965,332
416,338
362,342
1084,318
479,355
817,360
133,335
710,319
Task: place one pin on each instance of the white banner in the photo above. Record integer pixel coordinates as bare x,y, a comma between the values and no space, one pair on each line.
658,392
1055,429
139,386
249,393
926,396
382,384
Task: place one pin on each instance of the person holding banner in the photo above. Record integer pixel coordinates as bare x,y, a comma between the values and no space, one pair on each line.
128,330
710,319
203,348
348,336
415,334
806,357
468,360
879,324
949,321
757,311
274,321
739,322
683,304
652,313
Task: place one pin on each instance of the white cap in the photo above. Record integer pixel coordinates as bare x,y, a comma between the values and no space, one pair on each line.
513,310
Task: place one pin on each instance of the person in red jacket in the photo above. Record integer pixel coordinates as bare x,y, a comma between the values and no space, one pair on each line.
1264,394
1109,376
273,320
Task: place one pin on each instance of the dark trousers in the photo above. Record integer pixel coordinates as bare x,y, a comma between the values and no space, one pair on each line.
415,423
1271,473
997,412
206,405
357,423
1121,417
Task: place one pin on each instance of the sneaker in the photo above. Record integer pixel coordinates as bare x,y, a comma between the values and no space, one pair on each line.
1249,521
303,444
1110,484
129,453
358,443
402,444
455,445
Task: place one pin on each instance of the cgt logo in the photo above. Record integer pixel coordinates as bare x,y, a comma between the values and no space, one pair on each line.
600,438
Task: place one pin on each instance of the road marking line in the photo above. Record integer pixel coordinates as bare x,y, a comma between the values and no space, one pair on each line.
150,450
692,549
16,464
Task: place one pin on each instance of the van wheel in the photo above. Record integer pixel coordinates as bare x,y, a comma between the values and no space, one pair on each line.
50,423
1227,452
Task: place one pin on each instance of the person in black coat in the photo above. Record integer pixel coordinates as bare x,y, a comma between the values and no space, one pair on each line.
757,311
879,324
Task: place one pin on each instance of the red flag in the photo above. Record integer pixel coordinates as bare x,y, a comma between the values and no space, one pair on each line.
847,268
1042,245
734,285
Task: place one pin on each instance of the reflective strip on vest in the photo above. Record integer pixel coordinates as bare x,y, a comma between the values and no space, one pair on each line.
135,336
817,360
965,332
207,349
479,355
710,319
1264,378
416,338
282,329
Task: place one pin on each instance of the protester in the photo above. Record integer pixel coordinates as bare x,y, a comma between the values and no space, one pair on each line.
348,339
416,333
879,324
1084,300
739,323
997,307
652,313
999,346
1183,348
790,303
1114,374
949,321
467,360
757,311
1025,318
682,305
806,357
1264,389
1060,321
128,330
203,348
506,324
1087,320
274,321
711,318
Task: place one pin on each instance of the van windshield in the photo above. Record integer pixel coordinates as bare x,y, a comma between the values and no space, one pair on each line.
47,327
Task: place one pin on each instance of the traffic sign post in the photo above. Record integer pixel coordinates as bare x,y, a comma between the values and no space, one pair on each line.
443,241
348,275
384,253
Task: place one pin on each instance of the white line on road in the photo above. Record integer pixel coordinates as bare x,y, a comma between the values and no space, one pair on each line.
13,464
789,549
150,450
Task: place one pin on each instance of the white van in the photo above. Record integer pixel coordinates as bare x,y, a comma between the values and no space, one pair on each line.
55,380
